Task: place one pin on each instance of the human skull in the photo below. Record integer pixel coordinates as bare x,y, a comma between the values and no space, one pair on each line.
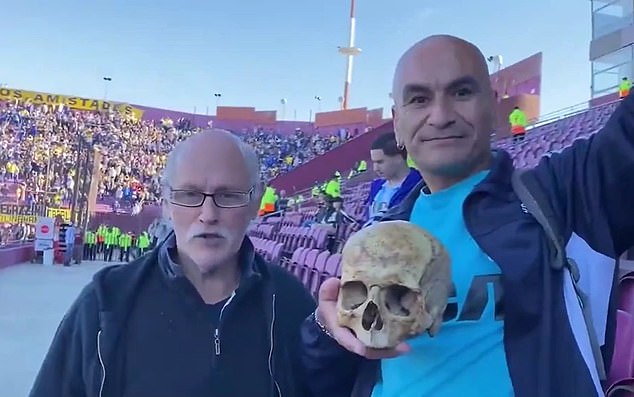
395,283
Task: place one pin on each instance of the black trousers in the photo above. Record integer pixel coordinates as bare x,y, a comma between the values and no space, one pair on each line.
90,252
124,254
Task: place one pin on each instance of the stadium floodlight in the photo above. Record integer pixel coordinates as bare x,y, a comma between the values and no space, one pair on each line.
496,64
496,61
283,101
218,95
349,52
106,80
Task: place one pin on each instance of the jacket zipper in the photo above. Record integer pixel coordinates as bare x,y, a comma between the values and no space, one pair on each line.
272,333
216,335
103,366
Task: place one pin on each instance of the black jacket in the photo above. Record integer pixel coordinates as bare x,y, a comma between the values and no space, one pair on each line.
87,355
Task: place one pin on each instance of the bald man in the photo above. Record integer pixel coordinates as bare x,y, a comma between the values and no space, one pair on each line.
201,314
513,325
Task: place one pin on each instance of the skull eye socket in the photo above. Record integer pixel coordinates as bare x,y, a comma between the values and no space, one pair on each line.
399,300
354,295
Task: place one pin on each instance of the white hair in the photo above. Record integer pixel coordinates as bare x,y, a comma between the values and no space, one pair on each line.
249,155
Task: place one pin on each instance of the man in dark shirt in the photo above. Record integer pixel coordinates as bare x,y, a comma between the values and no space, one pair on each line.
282,201
201,315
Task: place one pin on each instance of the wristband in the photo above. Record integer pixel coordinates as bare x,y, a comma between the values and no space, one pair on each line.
321,326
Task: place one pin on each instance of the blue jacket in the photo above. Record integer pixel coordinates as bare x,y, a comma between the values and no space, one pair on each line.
590,186
412,179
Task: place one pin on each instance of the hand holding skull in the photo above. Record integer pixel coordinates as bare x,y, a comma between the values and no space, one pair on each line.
394,285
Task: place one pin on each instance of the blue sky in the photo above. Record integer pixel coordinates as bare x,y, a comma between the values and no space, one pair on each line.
176,54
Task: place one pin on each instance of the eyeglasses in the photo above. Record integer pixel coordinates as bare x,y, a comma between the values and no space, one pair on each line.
226,199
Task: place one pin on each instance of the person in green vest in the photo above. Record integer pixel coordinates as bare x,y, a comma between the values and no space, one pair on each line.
624,87
90,245
333,186
359,167
101,240
411,163
112,241
125,242
363,166
518,122
143,243
269,198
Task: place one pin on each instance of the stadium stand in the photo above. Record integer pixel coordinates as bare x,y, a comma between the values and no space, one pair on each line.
39,149
289,232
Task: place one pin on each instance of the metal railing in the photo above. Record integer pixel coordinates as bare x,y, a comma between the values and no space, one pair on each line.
15,243
564,113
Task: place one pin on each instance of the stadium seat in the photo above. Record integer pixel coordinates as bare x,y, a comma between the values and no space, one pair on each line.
331,269
317,269
622,368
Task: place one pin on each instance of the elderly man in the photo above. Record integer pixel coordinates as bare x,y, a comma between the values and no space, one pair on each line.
513,326
201,314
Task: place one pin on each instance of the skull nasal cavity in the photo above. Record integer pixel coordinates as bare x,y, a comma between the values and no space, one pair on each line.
371,316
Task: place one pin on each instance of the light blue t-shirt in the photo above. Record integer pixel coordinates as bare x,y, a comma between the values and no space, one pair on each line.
381,201
466,358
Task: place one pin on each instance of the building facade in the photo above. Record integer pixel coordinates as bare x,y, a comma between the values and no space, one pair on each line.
611,48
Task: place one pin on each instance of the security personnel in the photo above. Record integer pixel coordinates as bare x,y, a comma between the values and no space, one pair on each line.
101,240
112,240
143,243
411,163
363,166
125,242
518,122
90,241
269,198
624,87
333,186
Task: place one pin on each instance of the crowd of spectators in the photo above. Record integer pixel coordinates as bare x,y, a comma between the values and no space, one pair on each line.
12,233
39,143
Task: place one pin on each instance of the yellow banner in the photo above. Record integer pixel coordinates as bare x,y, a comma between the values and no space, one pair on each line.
15,219
64,212
73,102
13,213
